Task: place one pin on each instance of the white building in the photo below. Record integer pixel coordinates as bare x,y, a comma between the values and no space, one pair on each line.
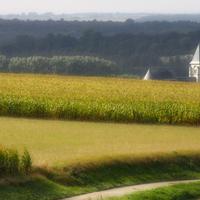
194,69
147,76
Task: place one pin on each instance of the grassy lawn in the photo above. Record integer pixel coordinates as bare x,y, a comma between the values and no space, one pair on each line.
189,191
56,143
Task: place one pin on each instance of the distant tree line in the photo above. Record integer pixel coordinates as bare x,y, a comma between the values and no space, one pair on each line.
9,29
133,46
133,53
71,65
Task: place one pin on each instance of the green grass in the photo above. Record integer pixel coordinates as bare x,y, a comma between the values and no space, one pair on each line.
189,191
38,188
128,170
100,176
34,189
99,99
52,187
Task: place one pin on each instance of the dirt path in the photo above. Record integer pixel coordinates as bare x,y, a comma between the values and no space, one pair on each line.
117,192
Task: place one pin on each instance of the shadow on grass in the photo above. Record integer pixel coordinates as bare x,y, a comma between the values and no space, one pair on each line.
103,174
125,170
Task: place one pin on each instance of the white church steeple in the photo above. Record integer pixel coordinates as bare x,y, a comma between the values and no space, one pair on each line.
194,69
147,76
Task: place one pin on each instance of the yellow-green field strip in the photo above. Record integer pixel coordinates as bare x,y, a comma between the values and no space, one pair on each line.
99,99
52,142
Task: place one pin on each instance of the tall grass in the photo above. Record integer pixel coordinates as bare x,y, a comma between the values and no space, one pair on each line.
12,163
106,99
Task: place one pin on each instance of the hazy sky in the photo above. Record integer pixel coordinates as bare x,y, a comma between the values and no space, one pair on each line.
70,6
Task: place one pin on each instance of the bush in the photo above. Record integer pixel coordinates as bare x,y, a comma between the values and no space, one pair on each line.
26,162
11,163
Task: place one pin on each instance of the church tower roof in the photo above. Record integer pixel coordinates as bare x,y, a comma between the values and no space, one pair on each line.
196,57
148,75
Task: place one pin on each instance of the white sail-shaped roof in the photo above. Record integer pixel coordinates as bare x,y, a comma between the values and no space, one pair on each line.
147,76
196,57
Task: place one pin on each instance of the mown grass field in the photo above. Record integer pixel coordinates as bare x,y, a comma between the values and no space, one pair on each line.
64,142
107,99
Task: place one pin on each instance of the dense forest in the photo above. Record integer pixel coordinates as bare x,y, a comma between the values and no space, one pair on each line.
165,47
9,29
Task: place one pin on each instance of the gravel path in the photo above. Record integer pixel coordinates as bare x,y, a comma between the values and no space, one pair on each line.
117,192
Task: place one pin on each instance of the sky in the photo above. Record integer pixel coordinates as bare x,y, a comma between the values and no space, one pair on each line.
74,6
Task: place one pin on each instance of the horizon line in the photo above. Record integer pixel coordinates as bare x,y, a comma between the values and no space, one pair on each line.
98,12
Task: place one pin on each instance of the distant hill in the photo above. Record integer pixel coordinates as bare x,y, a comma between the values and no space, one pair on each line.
76,16
120,17
169,17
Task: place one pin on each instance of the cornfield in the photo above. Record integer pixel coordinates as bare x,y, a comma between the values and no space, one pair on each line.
99,99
